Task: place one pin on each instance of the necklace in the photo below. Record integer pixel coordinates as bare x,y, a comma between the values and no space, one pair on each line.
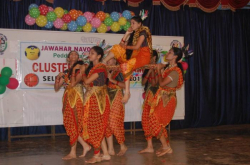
170,66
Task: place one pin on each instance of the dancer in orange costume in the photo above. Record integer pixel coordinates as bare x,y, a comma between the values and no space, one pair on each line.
134,53
72,104
96,102
150,81
164,103
117,110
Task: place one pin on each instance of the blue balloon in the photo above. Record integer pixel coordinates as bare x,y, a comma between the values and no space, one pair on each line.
81,21
93,30
49,25
72,26
126,14
115,16
32,6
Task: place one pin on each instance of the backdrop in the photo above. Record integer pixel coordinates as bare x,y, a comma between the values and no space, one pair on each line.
217,87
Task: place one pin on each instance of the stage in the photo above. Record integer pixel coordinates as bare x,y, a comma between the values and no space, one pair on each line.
201,146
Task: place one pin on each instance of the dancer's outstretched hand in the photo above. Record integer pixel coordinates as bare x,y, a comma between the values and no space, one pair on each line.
130,30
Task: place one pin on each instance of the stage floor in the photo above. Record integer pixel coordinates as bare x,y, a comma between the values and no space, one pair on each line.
198,146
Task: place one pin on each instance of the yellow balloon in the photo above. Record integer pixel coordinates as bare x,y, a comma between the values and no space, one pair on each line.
115,27
107,15
102,28
64,27
59,12
41,21
122,21
87,27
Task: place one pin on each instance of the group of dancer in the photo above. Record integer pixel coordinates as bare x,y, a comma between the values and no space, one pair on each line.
94,116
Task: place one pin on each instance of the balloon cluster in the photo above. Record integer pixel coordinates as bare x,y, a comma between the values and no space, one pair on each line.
6,80
76,20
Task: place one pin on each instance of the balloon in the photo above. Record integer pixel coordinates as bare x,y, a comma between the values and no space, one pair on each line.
183,59
79,29
49,25
126,14
126,26
2,89
29,20
6,71
121,28
58,23
132,13
102,28
184,65
88,16
4,80
41,21
101,15
74,14
34,12
33,5
81,21
51,16
80,13
87,27
13,84
108,21
59,12
64,27
185,71
96,22
122,21
65,11
115,16
72,26
66,18
43,9
108,28
115,27
107,15
93,30
50,9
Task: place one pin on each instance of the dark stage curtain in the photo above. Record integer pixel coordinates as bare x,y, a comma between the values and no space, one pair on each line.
217,86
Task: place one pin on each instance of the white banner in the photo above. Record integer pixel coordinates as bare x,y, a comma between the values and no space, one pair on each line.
36,57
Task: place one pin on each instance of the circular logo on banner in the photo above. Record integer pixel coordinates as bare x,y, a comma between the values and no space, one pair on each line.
176,43
32,52
3,43
31,80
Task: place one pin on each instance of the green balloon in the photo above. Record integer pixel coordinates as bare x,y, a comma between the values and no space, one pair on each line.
121,28
2,89
126,26
34,12
79,29
183,59
4,80
6,71
51,16
108,21
66,11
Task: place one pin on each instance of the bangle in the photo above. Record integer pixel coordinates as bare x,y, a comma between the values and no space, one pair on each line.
159,76
83,74
152,77
117,82
73,75
146,77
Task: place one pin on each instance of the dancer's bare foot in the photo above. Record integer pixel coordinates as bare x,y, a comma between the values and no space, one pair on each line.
125,98
85,151
123,150
69,156
94,159
105,157
112,152
159,150
164,151
147,150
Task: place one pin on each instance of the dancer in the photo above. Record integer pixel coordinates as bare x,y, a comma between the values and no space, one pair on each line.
134,53
72,104
117,110
96,102
164,103
150,81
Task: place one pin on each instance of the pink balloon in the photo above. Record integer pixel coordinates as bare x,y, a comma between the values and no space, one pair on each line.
58,23
29,20
108,28
13,84
50,9
88,15
184,65
96,22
